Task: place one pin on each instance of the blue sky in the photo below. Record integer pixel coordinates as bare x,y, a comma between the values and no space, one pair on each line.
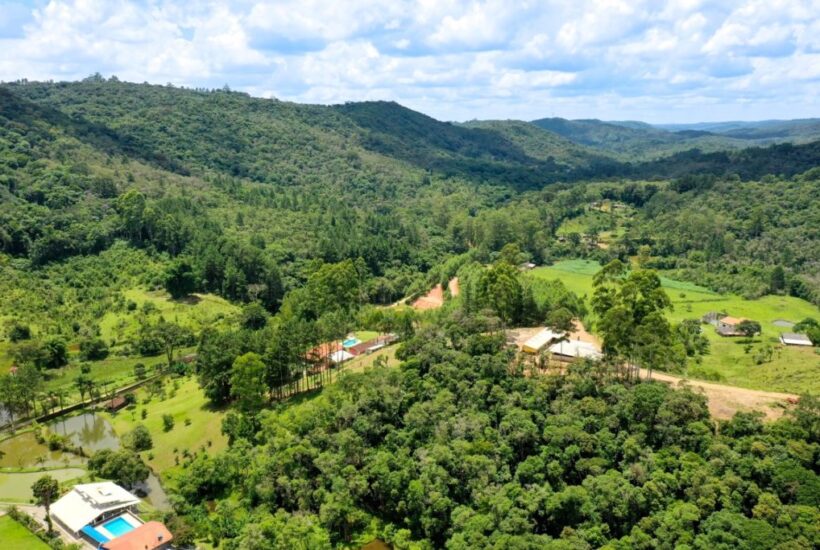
659,61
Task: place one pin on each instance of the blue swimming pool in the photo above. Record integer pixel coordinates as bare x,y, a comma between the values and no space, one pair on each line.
350,342
118,526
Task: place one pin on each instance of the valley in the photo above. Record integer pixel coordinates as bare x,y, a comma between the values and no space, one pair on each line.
282,324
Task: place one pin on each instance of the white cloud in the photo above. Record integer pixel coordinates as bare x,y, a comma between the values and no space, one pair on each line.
452,58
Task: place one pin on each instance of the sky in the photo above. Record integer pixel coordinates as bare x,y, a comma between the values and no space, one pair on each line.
657,61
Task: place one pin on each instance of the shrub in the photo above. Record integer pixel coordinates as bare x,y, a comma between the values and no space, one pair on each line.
167,422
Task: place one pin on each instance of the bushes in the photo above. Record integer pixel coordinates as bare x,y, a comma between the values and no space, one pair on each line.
93,349
138,439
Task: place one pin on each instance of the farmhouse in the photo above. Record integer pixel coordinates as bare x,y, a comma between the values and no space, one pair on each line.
729,326
793,339
540,340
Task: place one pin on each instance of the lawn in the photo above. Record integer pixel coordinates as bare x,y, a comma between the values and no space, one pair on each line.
194,312
188,402
792,369
18,537
17,487
366,335
358,364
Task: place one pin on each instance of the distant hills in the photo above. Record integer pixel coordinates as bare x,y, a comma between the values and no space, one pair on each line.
196,132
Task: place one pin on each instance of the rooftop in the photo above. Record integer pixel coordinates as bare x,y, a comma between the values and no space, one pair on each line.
84,503
147,536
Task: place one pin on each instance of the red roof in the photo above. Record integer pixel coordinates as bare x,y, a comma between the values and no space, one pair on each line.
322,351
147,536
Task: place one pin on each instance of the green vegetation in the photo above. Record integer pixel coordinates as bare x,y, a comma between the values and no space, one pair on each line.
16,487
15,535
215,247
425,456
196,424
790,369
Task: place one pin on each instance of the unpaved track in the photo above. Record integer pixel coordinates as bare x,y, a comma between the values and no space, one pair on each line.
725,401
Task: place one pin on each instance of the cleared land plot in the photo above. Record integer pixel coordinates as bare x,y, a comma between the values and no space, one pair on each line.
15,536
195,312
792,369
189,402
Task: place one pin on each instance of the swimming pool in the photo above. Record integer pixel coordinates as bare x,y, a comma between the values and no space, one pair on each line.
118,527
350,342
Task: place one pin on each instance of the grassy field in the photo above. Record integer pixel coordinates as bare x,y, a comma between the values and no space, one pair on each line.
188,402
117,327
792,369
17,487
18,537
195,312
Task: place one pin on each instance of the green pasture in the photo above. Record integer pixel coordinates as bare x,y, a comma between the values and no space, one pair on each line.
791,369
18,537
195,311
187,402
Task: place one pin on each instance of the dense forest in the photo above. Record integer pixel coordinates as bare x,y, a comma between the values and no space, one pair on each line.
303,223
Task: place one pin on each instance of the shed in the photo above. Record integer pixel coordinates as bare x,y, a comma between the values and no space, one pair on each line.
729,326
116,403
794,339
540,340
576,348
341,356
152,535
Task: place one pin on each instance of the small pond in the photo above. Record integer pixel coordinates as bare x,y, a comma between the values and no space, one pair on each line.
23,451
90,431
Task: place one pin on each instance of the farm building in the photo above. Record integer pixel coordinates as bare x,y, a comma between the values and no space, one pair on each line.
372,345
338,357
793,339
116,403
729,326
712,317
573,349
540,340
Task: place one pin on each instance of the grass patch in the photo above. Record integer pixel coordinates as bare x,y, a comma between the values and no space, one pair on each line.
15,535
792,369
17,487
188,402
194,312
366,335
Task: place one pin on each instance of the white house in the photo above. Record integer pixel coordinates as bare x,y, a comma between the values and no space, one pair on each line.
90,504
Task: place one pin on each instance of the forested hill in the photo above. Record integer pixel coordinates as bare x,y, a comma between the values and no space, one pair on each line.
197,132
639,142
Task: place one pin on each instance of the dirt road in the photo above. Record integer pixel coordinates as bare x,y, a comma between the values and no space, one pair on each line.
725,401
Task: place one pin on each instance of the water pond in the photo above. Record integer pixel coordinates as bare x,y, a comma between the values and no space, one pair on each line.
23,451
90,431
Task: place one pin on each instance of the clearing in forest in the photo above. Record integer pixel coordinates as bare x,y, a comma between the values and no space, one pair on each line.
435,298
730,360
